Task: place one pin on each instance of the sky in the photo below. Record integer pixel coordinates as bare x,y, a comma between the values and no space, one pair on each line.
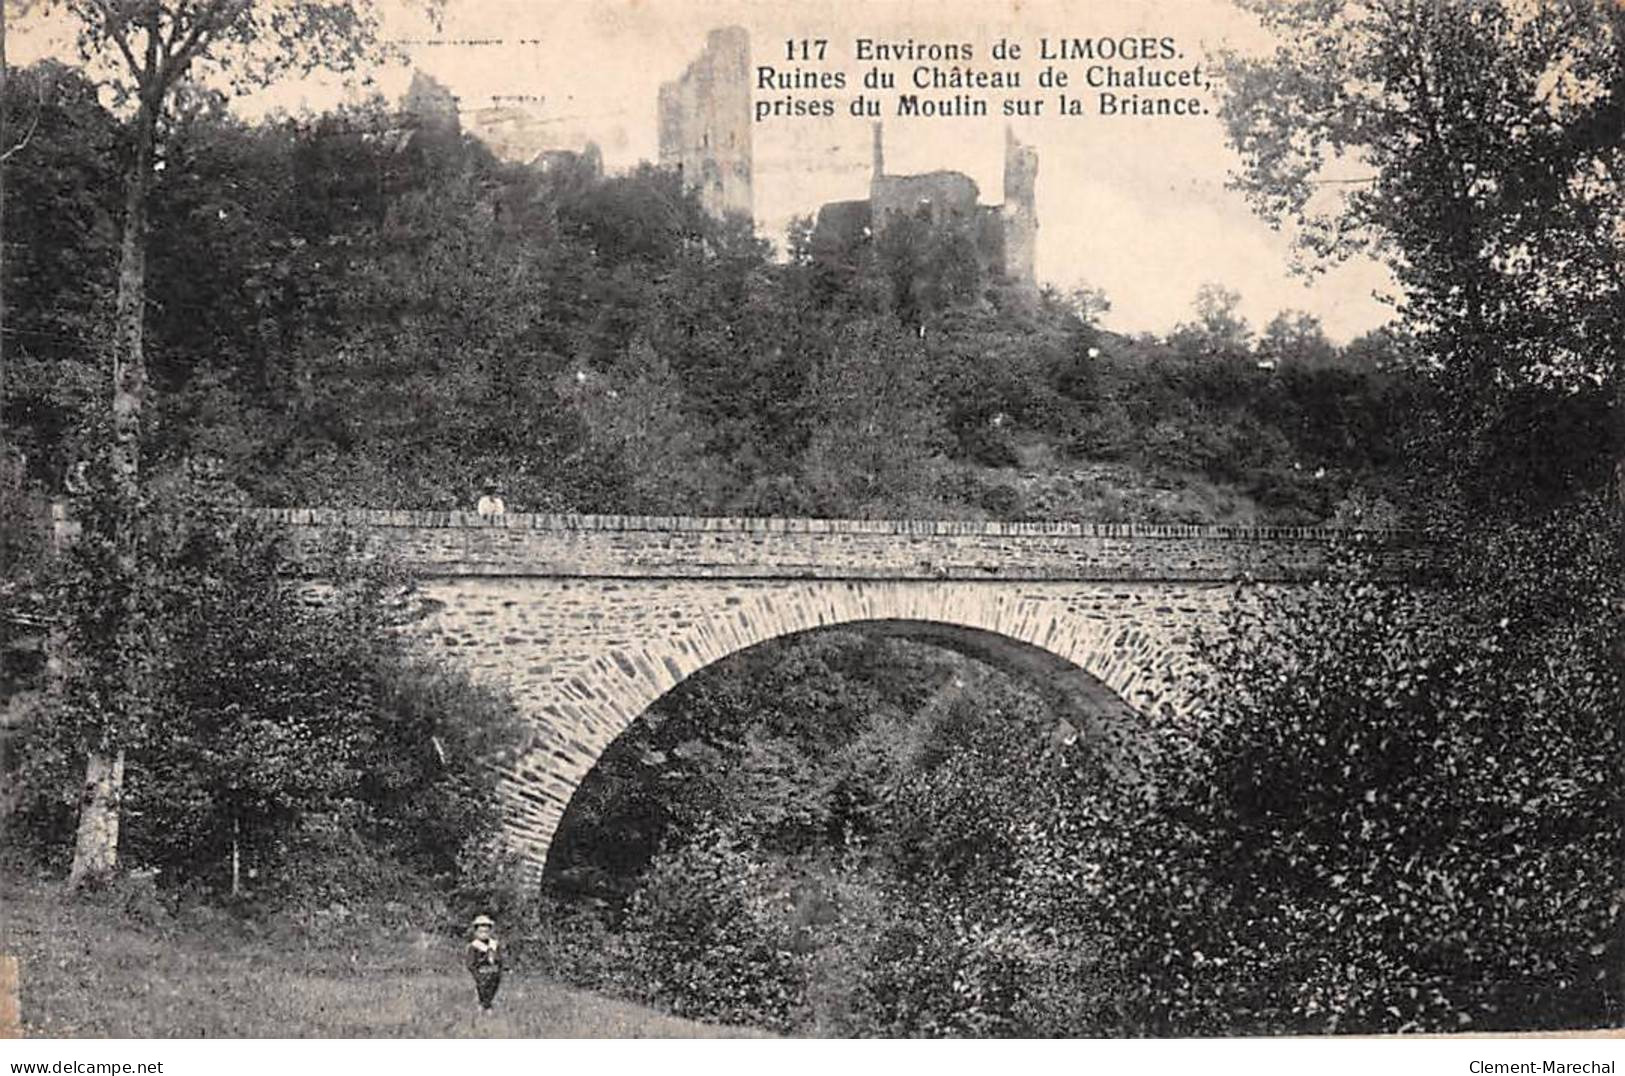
1137,207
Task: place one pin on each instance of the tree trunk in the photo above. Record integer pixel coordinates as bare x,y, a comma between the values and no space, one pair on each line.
129,358
96,846
5,75
95,853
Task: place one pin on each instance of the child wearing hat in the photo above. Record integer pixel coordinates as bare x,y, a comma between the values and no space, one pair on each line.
485,961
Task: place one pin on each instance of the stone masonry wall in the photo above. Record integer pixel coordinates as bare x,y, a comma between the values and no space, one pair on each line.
585,657
462,543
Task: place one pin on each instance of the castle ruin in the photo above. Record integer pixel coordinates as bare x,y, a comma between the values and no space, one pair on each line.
1006,235
705,124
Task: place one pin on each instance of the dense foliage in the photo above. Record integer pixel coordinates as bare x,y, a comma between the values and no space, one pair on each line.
1401,811
1477,147
391,316
291,746
836,834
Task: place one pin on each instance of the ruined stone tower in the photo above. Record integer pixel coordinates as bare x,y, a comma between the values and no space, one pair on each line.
1020,210
1005,235
942,197
705,123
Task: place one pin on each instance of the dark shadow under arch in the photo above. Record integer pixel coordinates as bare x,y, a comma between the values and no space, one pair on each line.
1082,700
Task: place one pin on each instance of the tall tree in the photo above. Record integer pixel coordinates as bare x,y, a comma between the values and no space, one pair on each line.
147,48
1219,330
1479,147
1294,337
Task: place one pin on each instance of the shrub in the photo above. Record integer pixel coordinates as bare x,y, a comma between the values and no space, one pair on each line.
709,934
1400,811
1103,434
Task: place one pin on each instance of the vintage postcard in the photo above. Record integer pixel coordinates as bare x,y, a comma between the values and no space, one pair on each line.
1027,519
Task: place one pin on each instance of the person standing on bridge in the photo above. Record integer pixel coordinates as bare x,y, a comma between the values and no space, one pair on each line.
485,961
490,503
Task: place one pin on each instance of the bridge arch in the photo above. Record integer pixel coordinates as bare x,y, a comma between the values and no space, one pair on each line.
1104,654
1086,704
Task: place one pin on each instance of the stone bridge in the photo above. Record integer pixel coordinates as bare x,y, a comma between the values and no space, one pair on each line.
586,620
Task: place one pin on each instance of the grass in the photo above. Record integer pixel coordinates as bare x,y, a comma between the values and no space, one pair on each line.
92,970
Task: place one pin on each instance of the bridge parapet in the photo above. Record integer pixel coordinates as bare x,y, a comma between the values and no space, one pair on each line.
687,547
